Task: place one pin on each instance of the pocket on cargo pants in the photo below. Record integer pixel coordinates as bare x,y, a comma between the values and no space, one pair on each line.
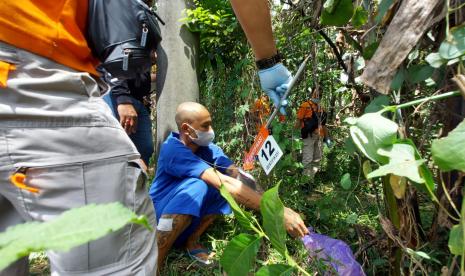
62,187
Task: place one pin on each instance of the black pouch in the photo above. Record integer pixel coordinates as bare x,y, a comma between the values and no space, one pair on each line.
122,34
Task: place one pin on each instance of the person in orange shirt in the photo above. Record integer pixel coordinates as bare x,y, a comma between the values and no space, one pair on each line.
311,119
55,128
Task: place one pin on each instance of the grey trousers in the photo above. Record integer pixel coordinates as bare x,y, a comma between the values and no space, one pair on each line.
54,125
311,154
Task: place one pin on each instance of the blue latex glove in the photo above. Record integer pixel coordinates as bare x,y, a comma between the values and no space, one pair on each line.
275,81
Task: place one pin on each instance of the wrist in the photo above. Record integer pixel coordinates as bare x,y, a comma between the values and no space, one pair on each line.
269,62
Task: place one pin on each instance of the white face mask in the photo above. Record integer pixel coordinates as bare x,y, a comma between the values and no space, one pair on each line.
204,138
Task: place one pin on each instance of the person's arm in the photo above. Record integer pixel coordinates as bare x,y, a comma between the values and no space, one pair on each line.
123,100
254,17
250,198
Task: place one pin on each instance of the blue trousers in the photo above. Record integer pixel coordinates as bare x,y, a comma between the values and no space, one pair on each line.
194,197
142,139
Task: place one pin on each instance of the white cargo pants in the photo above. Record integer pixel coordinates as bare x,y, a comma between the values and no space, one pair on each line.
55,126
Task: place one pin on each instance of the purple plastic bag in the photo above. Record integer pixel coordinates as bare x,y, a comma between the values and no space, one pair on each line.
335,252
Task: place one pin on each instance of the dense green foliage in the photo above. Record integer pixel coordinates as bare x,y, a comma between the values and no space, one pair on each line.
72,228
382,173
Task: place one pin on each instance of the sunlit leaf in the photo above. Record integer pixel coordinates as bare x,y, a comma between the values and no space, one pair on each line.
72,228
402,162
372,132
449,152
455,47
398,185
272,210
239,254
435,60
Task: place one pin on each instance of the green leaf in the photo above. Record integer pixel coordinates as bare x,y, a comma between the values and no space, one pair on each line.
371,132
330,5
275,270
383,7
419,73
340,14
272,210
402,162
435,60
398,79
352,218
449,152
360,17
425,173
244,218
370,50
349,146
456,240
377,104
455,47
346,183
239,254
72,228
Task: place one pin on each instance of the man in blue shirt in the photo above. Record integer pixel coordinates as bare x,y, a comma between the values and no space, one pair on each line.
185,193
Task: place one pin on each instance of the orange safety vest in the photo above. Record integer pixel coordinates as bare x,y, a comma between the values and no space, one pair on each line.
306,111
50,28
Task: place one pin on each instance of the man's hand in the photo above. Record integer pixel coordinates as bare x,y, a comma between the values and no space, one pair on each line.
275,81
128,117
294,223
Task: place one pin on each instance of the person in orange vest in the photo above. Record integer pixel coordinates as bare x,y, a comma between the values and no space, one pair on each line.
57,131
311,119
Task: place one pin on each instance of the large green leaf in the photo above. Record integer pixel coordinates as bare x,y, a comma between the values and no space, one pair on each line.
428,186
275,270
360,17
398,79
272,210
72,228
340,14
402,162
449,152
435,60
419,73
377,104
239,254
455,47
456,240
371,132
244,218
330,5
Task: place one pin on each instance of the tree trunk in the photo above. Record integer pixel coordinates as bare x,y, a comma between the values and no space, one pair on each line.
177,63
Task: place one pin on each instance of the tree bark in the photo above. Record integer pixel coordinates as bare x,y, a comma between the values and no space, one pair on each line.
177,62
409,24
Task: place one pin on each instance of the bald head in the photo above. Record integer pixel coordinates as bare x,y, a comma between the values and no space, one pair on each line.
190,113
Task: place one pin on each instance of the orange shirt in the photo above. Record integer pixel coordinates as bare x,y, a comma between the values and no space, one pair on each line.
50,28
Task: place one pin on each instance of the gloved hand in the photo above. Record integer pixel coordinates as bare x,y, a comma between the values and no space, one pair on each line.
275,81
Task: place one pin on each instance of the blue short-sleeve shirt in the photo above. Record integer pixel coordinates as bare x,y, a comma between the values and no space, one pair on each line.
177,162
